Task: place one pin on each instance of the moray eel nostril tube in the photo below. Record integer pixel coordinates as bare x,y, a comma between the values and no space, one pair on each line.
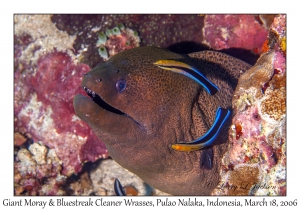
139,110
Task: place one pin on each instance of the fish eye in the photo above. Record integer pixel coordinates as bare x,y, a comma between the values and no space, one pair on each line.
121,85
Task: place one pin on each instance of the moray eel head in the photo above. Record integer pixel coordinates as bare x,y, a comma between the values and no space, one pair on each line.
130,92
107,86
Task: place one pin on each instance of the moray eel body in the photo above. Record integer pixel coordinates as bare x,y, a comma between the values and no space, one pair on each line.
139,110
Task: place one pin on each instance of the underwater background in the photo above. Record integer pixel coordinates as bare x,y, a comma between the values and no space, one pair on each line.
55,153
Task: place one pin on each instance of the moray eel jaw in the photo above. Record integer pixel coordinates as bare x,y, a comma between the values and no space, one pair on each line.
100,102
96,116
103,109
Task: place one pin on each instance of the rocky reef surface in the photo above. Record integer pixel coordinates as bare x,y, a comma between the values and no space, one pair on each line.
46,75
256,157
52,52
38,171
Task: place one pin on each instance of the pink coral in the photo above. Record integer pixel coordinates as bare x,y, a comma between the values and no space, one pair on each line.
49,116
279,63
279,25
56,83
233,31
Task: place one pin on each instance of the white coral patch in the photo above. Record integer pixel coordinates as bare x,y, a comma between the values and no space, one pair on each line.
39,153
225,34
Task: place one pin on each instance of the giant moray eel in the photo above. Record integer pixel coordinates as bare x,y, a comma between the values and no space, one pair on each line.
139,110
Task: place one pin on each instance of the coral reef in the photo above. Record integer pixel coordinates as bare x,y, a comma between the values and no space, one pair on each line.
116,40
97,179
47,76
246,175
266,20
154,30
38,171
103,177
52,52
233,31
19,139
82,186
257,138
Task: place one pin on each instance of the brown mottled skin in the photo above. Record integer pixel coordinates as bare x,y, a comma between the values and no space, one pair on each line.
163,108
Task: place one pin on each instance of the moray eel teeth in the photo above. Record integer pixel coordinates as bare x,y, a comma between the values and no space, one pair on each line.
189,71
118,188
208,138
98,100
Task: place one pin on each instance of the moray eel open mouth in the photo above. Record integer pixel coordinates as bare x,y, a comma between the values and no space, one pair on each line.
100,102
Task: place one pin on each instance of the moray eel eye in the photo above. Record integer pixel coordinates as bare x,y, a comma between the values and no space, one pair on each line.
121,85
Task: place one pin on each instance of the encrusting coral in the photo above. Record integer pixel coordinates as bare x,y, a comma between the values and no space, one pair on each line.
116,40
47,75
257,138
38,171
233,31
